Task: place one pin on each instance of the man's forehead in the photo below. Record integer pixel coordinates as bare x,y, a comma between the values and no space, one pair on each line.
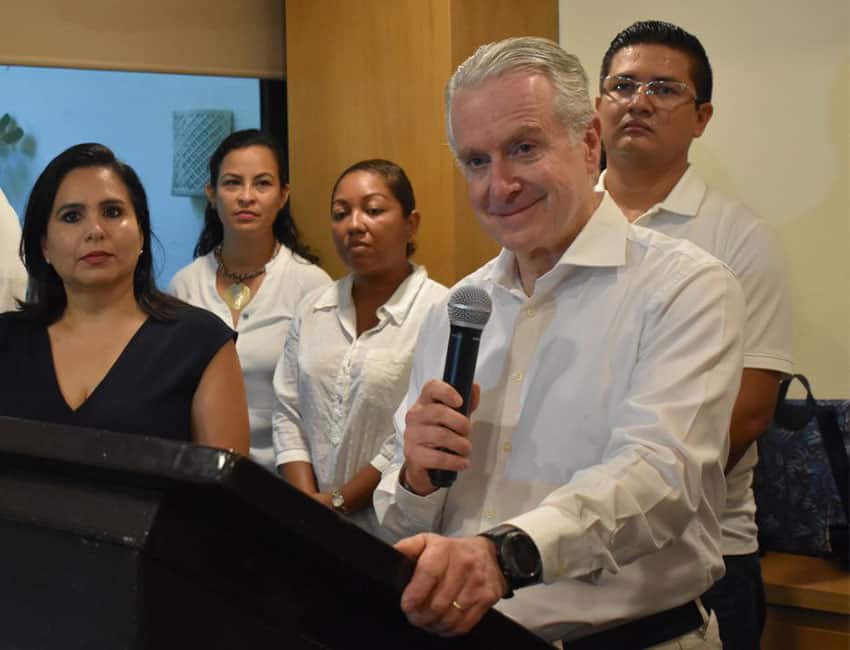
655,59
514,90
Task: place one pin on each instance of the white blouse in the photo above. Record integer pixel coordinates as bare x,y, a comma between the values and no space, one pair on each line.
337,392
262,327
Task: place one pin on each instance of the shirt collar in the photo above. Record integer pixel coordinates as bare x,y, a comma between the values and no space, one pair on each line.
602,242
684,199
338,295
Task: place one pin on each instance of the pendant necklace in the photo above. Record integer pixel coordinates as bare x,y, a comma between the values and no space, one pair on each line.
238,294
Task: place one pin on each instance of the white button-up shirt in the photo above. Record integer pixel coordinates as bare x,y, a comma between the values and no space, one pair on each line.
734,235
13,275
605,398
337,392
262,327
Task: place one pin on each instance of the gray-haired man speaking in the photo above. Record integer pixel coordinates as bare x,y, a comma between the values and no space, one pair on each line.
592,463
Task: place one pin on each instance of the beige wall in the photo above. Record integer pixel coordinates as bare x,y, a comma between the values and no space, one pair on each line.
779,140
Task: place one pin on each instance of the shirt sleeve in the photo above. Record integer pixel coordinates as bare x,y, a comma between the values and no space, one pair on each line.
663,464
757,261
399,510
385,454
290,443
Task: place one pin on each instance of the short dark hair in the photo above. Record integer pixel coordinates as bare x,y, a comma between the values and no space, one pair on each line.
284,226
47,299
656,32
397,182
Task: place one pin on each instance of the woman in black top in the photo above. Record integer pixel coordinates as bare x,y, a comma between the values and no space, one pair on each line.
97,345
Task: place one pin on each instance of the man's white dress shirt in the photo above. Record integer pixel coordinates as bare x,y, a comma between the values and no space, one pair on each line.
13,275
262,327
734,235
337,392
601,431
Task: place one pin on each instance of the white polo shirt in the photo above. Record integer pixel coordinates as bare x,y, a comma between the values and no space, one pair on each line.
733,234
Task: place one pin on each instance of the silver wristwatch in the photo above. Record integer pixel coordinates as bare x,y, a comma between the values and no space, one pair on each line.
338,502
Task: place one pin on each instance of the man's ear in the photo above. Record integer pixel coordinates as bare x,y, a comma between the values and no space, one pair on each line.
593,143
704,113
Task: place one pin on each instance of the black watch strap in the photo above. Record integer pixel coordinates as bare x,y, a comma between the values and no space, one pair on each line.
518,557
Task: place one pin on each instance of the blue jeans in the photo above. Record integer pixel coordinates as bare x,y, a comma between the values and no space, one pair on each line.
738,601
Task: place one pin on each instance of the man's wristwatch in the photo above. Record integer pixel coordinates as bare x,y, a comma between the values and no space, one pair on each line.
338,502
518,556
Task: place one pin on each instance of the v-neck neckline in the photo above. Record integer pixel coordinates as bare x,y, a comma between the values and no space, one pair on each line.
103,380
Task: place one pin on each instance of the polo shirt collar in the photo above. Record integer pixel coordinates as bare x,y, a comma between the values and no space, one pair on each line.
684,199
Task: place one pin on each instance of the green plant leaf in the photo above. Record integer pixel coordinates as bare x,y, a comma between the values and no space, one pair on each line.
4,121
13,135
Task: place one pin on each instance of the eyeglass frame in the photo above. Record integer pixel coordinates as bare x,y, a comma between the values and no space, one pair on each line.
645,85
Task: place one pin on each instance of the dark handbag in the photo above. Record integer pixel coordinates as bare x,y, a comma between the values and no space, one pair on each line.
802,480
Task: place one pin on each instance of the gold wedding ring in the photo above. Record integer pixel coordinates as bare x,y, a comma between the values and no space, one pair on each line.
458,606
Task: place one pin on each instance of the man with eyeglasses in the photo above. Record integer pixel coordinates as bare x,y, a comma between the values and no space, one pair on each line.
654,99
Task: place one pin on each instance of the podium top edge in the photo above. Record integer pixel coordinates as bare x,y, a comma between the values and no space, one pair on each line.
109,450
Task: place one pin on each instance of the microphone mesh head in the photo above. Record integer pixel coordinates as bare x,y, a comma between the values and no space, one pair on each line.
470,307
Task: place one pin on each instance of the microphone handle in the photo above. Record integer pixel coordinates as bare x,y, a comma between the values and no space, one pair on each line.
461,355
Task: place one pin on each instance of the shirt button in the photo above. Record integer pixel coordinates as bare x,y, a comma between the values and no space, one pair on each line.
507,447
517,376
246,315
530,312
491,515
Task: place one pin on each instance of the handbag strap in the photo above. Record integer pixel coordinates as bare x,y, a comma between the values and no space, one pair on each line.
791,416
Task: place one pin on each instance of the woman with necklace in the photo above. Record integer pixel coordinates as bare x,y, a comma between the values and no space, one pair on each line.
347,358
251,268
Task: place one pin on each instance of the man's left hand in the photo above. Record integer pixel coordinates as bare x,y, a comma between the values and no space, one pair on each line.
455,582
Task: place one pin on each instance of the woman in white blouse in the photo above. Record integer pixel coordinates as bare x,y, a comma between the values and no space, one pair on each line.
251,268
347,357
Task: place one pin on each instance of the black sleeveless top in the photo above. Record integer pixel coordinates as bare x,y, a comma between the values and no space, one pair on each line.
148,390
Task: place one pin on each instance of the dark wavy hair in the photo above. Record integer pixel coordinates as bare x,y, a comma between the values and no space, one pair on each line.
47,299
656,32
284,226
396,180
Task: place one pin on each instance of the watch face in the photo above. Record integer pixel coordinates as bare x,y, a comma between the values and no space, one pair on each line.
337,501
523,555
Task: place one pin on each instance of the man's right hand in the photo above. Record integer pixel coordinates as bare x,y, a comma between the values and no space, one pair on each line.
432,424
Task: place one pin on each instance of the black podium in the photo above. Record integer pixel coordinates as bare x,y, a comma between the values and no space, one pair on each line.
112,541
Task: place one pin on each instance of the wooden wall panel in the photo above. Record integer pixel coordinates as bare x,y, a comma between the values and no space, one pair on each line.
365,78
474,23
243,39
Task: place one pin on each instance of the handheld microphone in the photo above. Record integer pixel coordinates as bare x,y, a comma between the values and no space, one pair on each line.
469,310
